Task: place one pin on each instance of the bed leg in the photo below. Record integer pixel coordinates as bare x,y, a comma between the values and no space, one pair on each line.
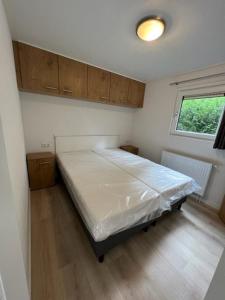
179,206
145,229
153,223
101,258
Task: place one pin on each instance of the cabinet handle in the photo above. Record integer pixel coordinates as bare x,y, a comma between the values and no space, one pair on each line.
51,88
67,91
104,98
44,163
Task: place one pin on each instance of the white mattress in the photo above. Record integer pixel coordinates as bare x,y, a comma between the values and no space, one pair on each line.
109,198
171,185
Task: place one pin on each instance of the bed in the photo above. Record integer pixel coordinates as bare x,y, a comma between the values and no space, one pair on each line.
116,193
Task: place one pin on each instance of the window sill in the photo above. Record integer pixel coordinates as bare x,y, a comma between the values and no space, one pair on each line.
194,135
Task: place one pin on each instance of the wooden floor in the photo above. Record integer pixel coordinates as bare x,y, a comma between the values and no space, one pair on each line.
174,260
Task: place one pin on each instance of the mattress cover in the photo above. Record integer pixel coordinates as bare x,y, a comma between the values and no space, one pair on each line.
170,184
109,198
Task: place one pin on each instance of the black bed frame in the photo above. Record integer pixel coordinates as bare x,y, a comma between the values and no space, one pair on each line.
102,247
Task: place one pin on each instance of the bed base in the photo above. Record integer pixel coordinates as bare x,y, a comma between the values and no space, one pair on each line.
102,247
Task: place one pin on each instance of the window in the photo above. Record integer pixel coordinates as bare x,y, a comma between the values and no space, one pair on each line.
198,115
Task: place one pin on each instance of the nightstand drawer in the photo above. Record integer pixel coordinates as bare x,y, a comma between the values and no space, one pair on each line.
41,171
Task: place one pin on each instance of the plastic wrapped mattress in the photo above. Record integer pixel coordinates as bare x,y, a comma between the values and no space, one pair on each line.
108,198
171,185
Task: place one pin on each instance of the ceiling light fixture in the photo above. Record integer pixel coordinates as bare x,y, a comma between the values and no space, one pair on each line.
150,28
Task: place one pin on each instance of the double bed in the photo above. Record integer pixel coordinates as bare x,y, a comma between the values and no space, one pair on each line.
116,193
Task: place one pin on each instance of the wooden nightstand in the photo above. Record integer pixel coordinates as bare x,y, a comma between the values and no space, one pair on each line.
41,170
222,211
130,148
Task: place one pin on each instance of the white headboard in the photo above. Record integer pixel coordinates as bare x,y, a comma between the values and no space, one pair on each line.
85,142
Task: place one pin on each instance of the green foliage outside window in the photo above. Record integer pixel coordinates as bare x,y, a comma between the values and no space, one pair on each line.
201,115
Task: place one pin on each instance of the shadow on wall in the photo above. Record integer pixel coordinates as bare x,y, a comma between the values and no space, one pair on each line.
53,100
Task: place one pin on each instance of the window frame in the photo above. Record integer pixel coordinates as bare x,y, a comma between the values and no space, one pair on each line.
204,91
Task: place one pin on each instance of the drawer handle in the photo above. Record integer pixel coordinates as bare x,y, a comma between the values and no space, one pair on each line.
67,91
44,163
51,88
104,98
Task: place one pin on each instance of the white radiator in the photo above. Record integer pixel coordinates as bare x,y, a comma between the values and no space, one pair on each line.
197,169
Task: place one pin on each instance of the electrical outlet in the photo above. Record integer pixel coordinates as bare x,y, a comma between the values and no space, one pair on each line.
45,145
2,291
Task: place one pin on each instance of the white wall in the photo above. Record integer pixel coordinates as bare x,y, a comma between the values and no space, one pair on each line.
12,269
46,116
10,111
152,132
13,176
217,288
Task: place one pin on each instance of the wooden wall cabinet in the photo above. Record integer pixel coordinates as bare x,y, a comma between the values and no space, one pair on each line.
136,93
17,64
98,84
72,78
119,86
39,69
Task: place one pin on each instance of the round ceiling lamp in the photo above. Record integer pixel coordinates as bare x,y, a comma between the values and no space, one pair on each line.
150,28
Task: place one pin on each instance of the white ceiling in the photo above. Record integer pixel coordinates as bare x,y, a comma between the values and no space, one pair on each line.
102,33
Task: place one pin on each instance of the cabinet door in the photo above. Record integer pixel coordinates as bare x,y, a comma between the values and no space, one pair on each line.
17,64
72,78
39,69
34,174
136,93
98,84
41,173
47,172
118,89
